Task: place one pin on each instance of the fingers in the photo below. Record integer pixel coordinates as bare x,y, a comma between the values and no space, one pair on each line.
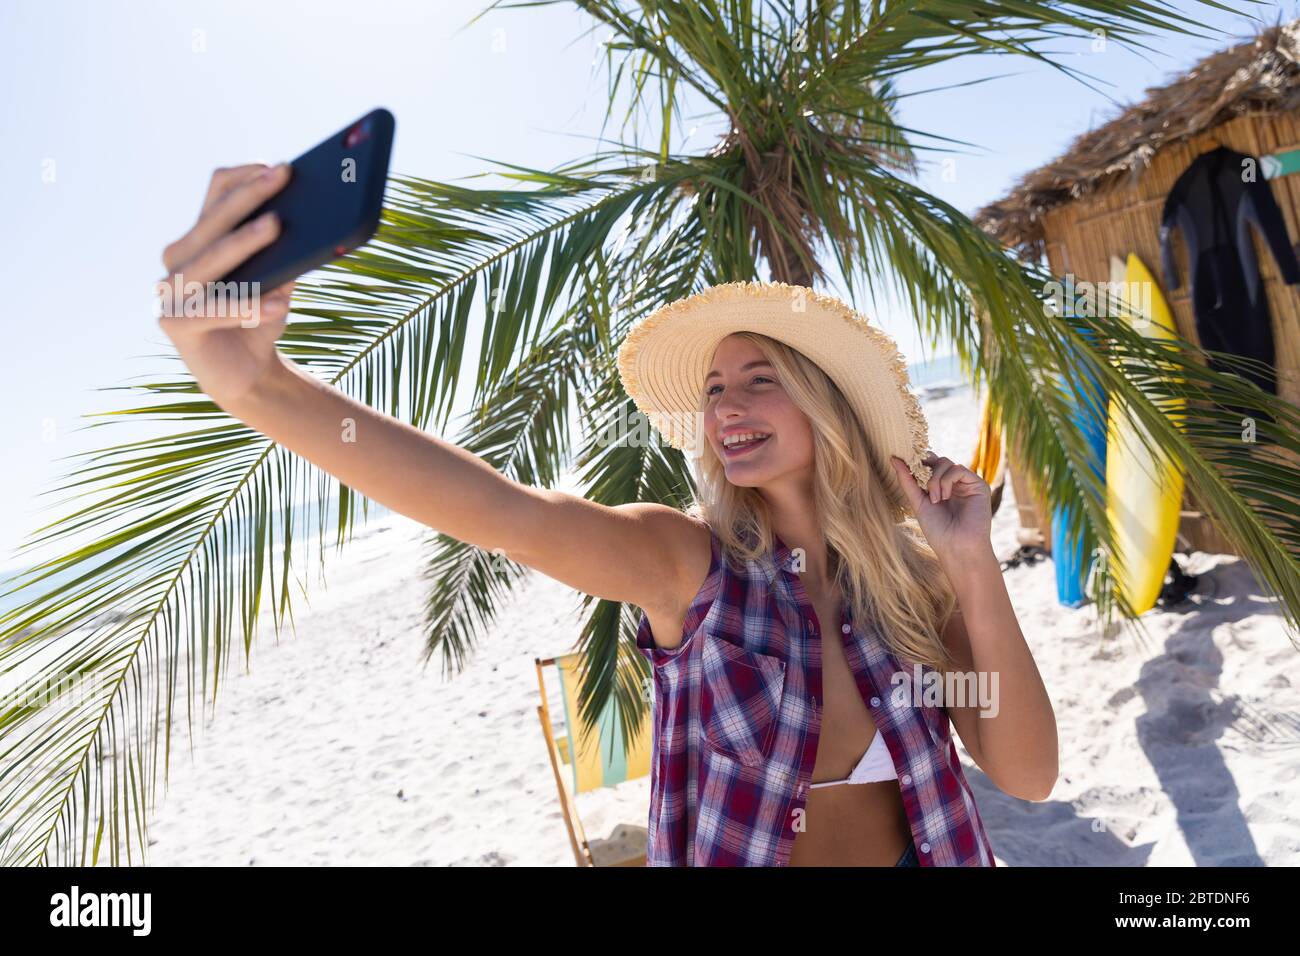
177,291
276,305
267,313
241,199
938,467
911,490
187,325
227,208
274,309
230,250
223,180
947,477
187,302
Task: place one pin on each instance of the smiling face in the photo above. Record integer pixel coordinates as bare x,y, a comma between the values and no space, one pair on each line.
744,398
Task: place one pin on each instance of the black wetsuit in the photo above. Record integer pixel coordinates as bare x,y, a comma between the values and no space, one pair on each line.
1213,203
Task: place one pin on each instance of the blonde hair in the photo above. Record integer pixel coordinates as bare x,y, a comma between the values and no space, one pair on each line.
887,570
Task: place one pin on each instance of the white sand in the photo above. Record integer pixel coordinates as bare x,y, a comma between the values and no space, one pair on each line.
339,749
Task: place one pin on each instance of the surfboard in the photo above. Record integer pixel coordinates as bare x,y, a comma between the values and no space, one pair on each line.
1144,488
1068,557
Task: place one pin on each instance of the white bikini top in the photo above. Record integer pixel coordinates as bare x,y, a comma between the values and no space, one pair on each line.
875,765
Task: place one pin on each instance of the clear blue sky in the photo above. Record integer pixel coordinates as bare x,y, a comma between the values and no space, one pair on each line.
116,99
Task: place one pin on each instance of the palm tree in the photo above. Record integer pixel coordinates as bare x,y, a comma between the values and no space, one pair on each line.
187,528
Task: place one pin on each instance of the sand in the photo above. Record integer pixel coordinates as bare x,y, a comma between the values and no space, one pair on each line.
340,748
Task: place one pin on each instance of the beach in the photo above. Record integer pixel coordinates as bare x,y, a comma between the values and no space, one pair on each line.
340,747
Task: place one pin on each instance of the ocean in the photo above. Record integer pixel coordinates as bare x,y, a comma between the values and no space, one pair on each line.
943,371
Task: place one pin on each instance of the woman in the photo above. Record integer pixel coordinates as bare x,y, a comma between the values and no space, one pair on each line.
772,746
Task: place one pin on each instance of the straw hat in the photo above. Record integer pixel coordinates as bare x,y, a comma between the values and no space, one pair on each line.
665,357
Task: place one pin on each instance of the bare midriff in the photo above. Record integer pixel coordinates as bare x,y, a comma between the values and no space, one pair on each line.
852,824
848,824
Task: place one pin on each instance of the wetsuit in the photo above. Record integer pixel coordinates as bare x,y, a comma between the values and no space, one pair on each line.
1213,203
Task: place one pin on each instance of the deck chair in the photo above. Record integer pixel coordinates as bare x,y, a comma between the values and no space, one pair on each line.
584,765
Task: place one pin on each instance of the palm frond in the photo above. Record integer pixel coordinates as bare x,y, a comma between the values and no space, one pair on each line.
521,431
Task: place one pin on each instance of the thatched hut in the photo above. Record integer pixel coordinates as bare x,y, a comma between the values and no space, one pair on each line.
1105,195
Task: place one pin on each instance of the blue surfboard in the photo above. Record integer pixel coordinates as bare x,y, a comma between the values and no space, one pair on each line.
1089,417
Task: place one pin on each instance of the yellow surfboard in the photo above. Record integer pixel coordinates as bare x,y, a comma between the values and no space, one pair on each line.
1144,488
986,459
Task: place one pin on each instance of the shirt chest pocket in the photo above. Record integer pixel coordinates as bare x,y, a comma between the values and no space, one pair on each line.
740,699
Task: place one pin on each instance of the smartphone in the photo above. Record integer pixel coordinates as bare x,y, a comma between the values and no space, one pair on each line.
330,205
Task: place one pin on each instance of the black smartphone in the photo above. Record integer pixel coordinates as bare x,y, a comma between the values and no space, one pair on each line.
330,205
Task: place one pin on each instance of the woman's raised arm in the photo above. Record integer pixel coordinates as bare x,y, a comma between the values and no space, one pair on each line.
642,553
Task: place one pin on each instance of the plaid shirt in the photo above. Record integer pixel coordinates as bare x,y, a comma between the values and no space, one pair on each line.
737,713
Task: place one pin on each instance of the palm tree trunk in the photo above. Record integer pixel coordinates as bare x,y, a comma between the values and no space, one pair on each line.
786,265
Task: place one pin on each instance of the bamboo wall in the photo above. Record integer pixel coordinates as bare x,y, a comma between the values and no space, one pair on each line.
1084,234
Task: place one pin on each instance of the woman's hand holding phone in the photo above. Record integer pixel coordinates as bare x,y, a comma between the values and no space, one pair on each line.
227,350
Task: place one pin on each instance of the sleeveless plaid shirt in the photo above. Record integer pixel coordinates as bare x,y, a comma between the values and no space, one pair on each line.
737,714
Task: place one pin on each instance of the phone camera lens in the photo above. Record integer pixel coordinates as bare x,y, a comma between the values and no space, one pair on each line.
357,134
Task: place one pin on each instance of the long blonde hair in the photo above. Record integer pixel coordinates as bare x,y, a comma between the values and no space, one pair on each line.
886,569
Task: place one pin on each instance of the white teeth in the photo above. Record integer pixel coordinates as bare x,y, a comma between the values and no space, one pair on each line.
743,436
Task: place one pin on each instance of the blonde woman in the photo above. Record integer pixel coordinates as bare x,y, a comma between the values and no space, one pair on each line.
816,622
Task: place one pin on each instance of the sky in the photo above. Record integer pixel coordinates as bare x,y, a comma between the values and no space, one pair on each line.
115,114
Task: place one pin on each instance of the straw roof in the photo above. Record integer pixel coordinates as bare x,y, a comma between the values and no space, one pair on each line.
1261,75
